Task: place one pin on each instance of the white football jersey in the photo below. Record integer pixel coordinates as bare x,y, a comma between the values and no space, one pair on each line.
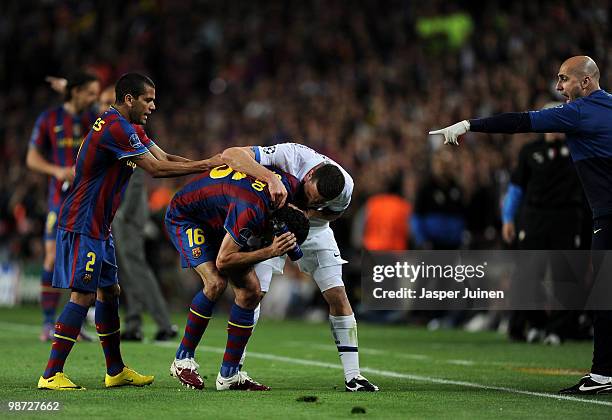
297,160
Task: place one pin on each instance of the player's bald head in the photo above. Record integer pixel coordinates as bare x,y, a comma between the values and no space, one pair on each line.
578,77
581,66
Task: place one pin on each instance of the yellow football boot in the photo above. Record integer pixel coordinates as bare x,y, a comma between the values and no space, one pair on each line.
58,382
127,377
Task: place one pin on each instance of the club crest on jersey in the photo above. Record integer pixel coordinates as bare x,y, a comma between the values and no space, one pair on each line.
269,149
196,252
87,278
135,141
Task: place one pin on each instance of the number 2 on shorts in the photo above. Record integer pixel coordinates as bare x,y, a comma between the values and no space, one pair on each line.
91,262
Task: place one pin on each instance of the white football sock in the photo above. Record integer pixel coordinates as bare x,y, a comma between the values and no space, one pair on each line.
255,319
344,330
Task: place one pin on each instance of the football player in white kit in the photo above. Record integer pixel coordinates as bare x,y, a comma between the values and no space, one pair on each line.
327,190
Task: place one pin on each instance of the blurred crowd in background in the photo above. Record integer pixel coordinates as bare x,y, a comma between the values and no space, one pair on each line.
362,82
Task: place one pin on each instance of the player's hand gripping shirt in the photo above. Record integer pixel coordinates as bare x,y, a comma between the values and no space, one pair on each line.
103,170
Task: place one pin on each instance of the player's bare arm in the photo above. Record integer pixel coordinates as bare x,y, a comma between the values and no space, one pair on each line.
36,162
231,259
242,159
160,154
168,169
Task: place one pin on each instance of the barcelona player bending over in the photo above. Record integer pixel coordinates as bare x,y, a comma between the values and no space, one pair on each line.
222,224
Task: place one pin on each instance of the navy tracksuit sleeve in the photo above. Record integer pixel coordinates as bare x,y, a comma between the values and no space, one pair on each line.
564,118
561,119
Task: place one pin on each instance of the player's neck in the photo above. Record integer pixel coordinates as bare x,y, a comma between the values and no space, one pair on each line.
121,109
71,108
591,90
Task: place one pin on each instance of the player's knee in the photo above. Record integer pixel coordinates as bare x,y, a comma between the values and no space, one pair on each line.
110,293
335,294
214,288
83,298
338,301
247,300
248,297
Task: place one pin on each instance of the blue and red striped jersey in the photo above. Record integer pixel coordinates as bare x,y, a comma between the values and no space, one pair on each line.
103,170
223,200
57,134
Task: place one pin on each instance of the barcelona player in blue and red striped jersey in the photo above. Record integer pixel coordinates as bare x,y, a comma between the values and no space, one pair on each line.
221,223
85,255
54,143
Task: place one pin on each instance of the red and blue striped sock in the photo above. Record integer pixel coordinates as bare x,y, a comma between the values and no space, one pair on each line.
107,326
67,330
239,329
200,313
49,297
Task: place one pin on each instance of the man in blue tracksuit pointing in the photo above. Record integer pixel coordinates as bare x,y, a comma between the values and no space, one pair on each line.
586,118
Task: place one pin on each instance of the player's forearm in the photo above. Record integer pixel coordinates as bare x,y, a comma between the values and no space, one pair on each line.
509,122
160,154
176,158
36,162
241,260
167,169
240,160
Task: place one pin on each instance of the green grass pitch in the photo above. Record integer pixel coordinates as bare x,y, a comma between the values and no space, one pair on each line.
444,374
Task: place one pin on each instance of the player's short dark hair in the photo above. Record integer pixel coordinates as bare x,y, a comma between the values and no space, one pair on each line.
296,221
77,79
329,181
131,84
